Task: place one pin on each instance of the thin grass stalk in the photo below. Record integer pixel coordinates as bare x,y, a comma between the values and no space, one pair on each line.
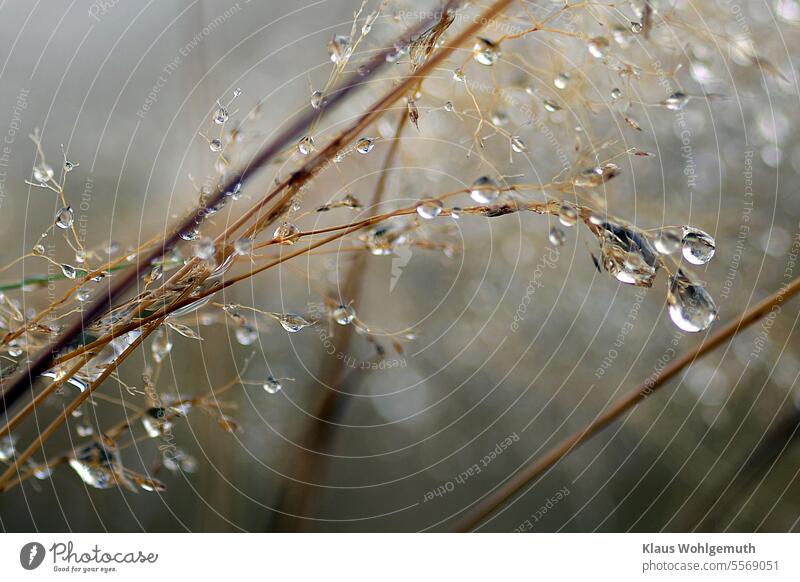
503,494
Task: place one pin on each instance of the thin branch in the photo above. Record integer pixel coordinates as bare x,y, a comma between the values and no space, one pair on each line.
494,501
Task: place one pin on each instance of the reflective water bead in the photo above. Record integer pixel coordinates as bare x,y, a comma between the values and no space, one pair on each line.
557,237
38,249
65,217
365,145
161,346
485,52
636,27
628,254
43,173
691,307
551,106
484,190
83,294
272,385
339,48
246,335
220,115
317,99
204,248
243,246
668,241
698,246
448,106
293,322
69,271
344,314
598,47
616,93
306,145
429,209
567,214
215,145
518,145
676,101
499,117
561,81
287,233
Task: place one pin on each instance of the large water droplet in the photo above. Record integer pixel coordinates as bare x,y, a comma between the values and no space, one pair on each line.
698,246
486,52
429,209
161,346
676,101
344,314
272,385
293,322
287,233
65,217
627,254
365,145
691,307
484,190
669,240
598,47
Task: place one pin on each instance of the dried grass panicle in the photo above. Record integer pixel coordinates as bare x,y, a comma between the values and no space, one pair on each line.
475,74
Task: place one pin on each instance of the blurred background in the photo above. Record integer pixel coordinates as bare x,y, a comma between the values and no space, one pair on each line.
129,87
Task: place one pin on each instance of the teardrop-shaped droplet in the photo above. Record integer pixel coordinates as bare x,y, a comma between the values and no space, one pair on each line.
698,246
561,81
306,145
365,145
293,322
65,218
339,48
161,346
484,190
69,271
246,335
628,254
557,237
272,385
317,99
598,46
551,106
691,307
676,101
344,314
567,214
287,233
429,209
486,52
220,115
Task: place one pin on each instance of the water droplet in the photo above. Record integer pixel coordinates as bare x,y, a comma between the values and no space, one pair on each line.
448,106
627,254
220,115
272,385
616,93
691,307
69,166
318,100
551,106
676,102
567,214
204,249
344,314
698,246
499,117
215,145
557,237
69,271
598,47
484,190
237,92
246,335
365,145
176,460
429,209
518,145
339,48
7,448
156,423
190,234
293,322
561,81
287,233
485,52
788,10
458,75
383,239
597,175
83,294
668,240
43,173
15,349
38,249
65,217
306,145
243,246
636,27
161,346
